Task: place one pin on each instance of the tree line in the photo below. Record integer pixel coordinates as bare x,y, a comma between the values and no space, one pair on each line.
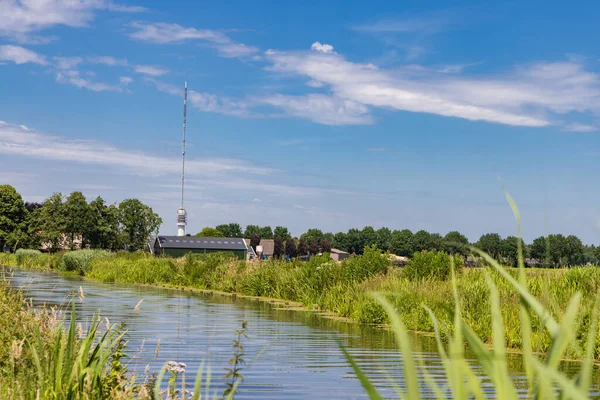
549,251
69,222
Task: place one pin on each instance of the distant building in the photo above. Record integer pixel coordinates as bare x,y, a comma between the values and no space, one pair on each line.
267,245
65,242
338,255
178,246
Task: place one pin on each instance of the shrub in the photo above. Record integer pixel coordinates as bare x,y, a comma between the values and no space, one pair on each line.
371,263
431,264
80,261
24,256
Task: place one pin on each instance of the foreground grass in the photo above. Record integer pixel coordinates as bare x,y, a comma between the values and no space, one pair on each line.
40,359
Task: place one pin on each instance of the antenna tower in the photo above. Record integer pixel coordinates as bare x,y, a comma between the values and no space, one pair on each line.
181,213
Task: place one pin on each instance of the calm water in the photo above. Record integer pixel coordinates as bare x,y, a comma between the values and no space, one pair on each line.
291,354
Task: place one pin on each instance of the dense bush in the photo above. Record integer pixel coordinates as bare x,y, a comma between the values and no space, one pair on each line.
80,261
431,264
24,256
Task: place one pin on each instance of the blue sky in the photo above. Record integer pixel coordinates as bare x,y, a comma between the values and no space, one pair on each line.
332,115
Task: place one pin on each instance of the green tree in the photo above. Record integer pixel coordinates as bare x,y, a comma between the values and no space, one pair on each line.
421,241
12,216
402,243
455,243
355,241
574,250
103,231
251,230
77,218
537,249
384,239
556,253
436,242
490,243
340,241
368,237
210,232
509,250
52,222
266,232
138,222
316,234
231,230
282,232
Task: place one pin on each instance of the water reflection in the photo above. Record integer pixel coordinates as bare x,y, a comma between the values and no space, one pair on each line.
291,354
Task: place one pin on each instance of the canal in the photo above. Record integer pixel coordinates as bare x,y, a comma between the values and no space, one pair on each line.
290,354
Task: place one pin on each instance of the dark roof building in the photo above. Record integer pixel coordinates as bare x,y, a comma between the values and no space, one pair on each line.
177,246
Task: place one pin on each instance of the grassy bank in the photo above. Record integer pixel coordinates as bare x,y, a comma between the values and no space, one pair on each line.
555,311
342,288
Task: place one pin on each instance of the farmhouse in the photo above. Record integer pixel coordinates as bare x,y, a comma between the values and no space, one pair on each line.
338,255
177,246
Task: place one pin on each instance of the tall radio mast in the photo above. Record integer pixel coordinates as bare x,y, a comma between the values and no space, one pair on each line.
181,213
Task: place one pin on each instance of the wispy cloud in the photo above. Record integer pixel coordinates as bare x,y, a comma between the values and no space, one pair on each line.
208,102
20,55
163,33
578,127
74,77
319,108
531,95
108,60
21,18
322,109
15,140
151,70
67,62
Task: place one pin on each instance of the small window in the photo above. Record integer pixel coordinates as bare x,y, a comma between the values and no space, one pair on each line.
212,241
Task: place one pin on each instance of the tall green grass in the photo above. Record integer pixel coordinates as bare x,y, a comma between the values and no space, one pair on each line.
25,256
80,261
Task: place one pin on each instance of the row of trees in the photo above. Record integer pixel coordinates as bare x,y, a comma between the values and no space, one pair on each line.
234,230
61,222
551,251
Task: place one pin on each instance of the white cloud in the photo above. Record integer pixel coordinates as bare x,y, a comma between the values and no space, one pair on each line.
208,102
315,84
17,141
151,70
126,9
527,96
125,80
108,60
67,62
578,127
20,18
20,55
163,33
322,109
73,77
323,48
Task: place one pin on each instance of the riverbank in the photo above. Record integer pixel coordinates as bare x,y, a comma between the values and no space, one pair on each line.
342,290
